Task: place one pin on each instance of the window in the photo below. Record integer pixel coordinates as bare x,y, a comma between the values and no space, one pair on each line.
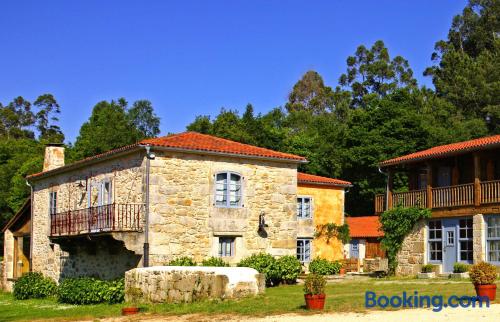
493,238
53,202
228,190
422,180
435,241
465,240
304,209
304,250
105,194
226,246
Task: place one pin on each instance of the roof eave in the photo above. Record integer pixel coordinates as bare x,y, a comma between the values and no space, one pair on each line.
18,214
325,184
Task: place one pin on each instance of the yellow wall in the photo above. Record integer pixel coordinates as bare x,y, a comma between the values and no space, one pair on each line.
328,207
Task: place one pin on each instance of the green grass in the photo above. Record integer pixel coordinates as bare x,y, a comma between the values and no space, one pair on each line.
342,296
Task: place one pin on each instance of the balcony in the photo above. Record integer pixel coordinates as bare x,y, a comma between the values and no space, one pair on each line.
94,220
472,194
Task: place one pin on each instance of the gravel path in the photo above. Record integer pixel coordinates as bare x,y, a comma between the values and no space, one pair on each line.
446,315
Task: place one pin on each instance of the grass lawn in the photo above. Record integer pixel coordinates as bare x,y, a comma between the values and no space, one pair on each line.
342,296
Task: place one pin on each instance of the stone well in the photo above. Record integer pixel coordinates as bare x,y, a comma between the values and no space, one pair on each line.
176,284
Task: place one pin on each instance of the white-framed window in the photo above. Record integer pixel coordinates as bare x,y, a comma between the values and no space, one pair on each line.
304,247
53,202
435,241
465,242
304,207
493,238
228,190
226,246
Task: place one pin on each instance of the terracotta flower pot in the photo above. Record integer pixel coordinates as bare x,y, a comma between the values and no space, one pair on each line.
342,271
315,302
130,310
486,290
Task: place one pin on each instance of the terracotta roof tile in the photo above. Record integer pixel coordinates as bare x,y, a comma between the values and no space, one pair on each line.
446,150
368,226
313,179
202,142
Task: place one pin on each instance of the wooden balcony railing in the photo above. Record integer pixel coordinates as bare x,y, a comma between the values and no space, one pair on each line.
108,218
454,196
487,192
490,192
410,198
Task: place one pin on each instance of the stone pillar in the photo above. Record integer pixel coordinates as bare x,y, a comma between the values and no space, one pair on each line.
411,257
478,231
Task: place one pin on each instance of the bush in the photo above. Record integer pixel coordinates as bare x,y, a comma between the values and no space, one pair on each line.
182,261
460,268
87,290
428,268
265,264
289,268
314,284
214,261
33,286
483,274
323,266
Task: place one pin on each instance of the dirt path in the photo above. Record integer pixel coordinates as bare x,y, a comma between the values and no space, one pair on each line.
447,315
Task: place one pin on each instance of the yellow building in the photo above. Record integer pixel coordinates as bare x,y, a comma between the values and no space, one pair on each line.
320,201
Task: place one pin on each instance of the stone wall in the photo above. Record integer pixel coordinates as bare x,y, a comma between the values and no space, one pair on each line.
1,275
126,174
328,207
177,284
412,255
479,235
184,220
8,260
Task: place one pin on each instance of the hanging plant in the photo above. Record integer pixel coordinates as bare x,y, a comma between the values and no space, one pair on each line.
331,230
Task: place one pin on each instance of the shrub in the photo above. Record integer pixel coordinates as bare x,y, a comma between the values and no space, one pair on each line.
323,266
33,286
87,290
214,261
289,268
483,274
460,268
265,264
314,284
428,268
182,261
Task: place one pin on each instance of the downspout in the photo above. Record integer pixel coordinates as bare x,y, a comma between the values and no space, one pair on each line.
149,156
386,187
31,225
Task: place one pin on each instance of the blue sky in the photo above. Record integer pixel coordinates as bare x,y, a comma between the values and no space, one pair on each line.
194,57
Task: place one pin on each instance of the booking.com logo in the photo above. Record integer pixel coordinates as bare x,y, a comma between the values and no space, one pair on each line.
415,300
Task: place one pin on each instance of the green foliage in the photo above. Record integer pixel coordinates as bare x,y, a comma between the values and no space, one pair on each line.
87,290
33,286
265,264
182,261
289,268
331,230
397,223
460,268
483,273
323,266
314,284
428,268
215,262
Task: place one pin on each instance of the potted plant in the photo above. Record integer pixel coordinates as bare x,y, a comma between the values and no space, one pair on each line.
483,276
314,292
428,271
460,270
132,296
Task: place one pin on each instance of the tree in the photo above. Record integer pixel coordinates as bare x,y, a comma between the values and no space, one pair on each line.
46,117
311,94
372,73
201,124
142,116
16,119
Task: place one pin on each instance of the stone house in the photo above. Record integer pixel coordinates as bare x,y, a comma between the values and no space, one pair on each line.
460,184
187,194
364,246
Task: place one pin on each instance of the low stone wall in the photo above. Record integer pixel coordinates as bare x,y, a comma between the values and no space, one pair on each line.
177,284
1,276
411,257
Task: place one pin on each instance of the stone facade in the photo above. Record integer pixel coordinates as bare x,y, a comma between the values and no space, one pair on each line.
412,255
8,260
479,235
177,284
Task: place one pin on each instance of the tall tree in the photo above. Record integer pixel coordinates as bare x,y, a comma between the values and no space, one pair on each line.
142,116
46,119
311,94
16,119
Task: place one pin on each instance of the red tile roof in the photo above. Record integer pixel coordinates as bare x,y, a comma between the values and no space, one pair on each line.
188,141
446,150
363,227
312,179
193,141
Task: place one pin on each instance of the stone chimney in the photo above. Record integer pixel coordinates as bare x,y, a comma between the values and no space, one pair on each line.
54,156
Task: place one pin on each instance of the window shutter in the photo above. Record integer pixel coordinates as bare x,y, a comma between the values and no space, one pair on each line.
311,205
